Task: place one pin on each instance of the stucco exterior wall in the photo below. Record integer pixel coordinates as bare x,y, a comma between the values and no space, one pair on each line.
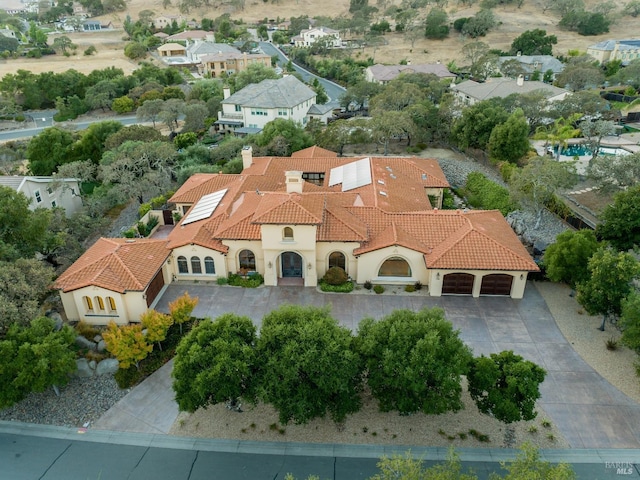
369,266
303,243
188,251
323,249
66,196
129,306
236,246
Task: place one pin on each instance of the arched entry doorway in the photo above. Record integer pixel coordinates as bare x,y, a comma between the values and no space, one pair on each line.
291,265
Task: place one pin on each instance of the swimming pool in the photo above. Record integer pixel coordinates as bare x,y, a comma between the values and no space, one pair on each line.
583,150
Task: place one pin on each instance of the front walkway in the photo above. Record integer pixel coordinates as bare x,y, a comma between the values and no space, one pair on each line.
588,411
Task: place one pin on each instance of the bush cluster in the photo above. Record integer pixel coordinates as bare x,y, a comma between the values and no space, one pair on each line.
342,288
485,194
335,276
251,281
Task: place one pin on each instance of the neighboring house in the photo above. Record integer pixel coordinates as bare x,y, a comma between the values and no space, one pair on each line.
322,112
167,20
199,48
470,92
608,50
192,36
47,192
91,25
535,63
222,64
79,10
291,219
310,36
259,103
385,73
172,50
161,35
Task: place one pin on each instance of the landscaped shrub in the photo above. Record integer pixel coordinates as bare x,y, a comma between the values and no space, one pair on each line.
410,288
483,193
253,280
368,285
417,285
335,276
378,289
342,288
222,281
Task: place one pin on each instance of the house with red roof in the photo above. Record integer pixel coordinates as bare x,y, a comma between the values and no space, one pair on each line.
291,219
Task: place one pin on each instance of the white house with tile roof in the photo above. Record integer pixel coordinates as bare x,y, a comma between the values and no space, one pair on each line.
291,219
259,103
47,192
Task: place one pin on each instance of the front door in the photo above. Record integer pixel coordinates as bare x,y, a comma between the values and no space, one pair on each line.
291,264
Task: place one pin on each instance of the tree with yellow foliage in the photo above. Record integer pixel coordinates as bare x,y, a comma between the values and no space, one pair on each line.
156,325
180,309
127,343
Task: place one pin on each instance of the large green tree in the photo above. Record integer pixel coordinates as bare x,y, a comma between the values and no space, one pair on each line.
537,183
33,358
630,321
473,129
567,259
49,149
307,365
91,144
414,361
254,73
436,24
615,173
216,362
609,283
506,386
534,42
22,231
620,224
509,141
282,137
23,283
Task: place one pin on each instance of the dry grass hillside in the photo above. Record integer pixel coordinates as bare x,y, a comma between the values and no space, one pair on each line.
513,21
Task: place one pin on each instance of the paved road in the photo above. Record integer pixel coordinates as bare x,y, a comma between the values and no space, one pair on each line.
44,122
52,453
333,89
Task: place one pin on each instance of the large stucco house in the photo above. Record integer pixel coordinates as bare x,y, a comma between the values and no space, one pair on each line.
251,108
46,192
383,74
309,36
609,50
291,219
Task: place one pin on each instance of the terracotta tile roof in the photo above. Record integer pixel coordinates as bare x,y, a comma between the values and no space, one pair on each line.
238,224
201,184
117,264
198,233
339,225
313,152
291,208
485,243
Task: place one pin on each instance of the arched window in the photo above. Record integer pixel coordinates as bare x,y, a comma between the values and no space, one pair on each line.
88,303
247,260
196,266
100,303
337,259
395,267
112,304
209,266
287,233
183,267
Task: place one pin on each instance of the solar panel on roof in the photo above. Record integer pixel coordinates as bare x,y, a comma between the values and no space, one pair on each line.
205,207
356,174
335,176
352,175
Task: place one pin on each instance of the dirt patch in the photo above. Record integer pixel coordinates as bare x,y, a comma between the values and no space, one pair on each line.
513,21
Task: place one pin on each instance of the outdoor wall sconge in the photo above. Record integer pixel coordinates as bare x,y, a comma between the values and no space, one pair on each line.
438,276
309,266
270,265
522,276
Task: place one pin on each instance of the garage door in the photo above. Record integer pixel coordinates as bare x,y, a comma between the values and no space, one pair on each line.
458,284
496,284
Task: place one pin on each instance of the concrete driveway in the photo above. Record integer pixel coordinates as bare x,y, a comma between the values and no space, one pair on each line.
587,410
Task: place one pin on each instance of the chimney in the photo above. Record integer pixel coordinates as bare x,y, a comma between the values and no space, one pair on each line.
247,156
226,92
520,80
294,181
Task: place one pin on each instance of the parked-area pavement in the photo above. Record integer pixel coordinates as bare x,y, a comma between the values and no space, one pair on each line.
588,411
